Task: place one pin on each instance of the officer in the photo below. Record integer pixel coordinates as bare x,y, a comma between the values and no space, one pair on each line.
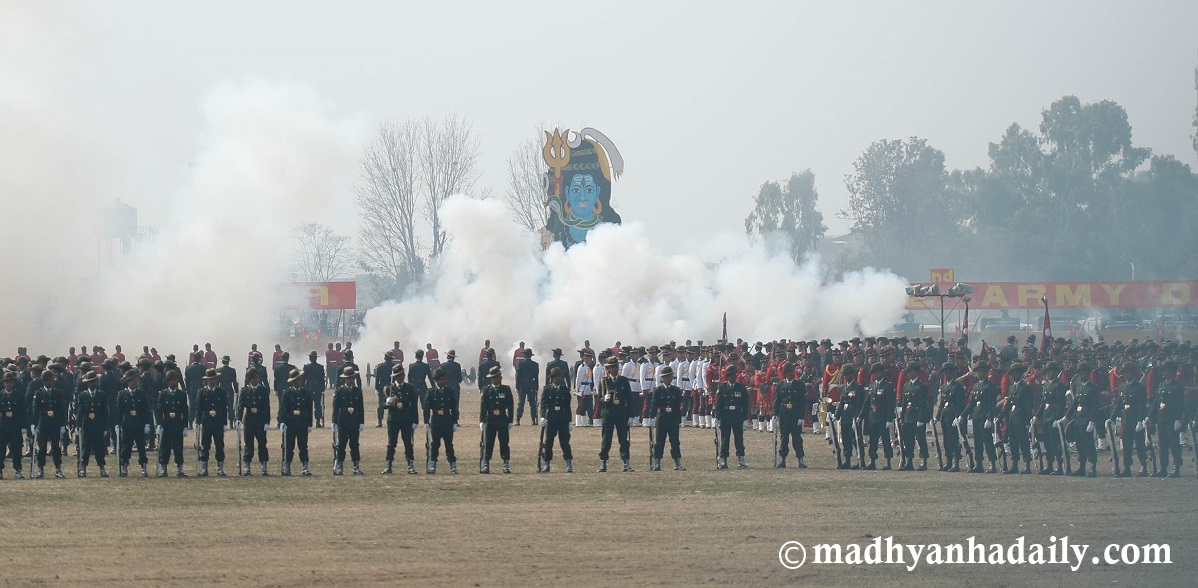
13,427
402,417
253,414
295,419
349,419
48,408
1019,405
615,404
1052,409
110,386
135,410
485,366
732,412
846,411
495,419
982,410
91,416
666,406
193,376
1083,419
256,366
949,406
282,371
171,409
1131,414
420,376
382,379
559,363
790,396
879,414
212,416
314,378
452,369
1167,414
528,379
441,420
914,410
555,417
228,381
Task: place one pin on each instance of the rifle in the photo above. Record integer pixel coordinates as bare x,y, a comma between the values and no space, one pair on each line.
78,453
717,444
428,446
775,428
199,433
860,442
1061,428
118,450
936,437
835,439
1110,431
998,443
334,428
898,434
1031,430
237,432
651,427
1149,445
963,433
482,449
158,440
1193,439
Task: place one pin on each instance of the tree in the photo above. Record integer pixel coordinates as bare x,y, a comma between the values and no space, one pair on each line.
321,255
387,196
526,190
790,212
448,164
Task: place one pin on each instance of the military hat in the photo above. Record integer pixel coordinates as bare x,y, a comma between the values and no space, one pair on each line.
388,355
527,352
877,367
225,358
89,377
172,375
586,353
60,359
10,377
124,365
850,369
729,370
47,375
1130,366
110,362
42,359
452,354
654,349
495,372
312,353
158,363
913,366
948,367
555,372
349,354
210,374
170,357
397,369
22,359
557,350
130,375
611,361
1169,365
349,372
252,374
981,366
1017,368
294,375
438,374
667,371
843,343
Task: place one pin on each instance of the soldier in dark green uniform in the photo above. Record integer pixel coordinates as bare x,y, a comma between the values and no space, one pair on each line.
295,419
172,424
314,379
441,420
349,419
982,408
790,396
1167,413
91,416
48,409
1018,406
845,413
1131,412
731,413
134,408
1083,419
915,412
402,417
555,418
949,406
495,419
212,416
13,427
615,404
878,417
666,407
1052,409
253,414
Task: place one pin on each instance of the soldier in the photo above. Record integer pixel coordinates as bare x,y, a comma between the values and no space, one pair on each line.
420,376
732,413
984,397
228,380
332,363
555,416
13,427
584,382
134,408
485,367
495,419
314,384
846,411
528,379
452,369
91,414
666,406
914,410
382,379
1131,414
193,377
282,371
253,414
212,416
1167,414
110,386
295,420
1019,405
615,404
172,424
347,361
402,417
949,406
1052,409
48,408
441,420
1083,419
349,419
790,396
256,366
879,415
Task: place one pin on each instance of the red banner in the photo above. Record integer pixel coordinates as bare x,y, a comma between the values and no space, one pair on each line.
1067,295
328,295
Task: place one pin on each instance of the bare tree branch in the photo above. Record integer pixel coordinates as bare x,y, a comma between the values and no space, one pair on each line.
525,190
321,254
386,196
448,163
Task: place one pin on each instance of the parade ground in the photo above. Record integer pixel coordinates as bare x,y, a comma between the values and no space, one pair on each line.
700,526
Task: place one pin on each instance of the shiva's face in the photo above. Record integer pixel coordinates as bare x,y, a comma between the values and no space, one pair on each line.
583,192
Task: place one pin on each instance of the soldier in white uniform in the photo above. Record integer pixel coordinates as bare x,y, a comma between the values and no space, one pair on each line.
584,388
682,367
631,369
648,376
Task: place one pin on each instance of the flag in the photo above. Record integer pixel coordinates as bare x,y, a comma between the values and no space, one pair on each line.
1047,334
965,326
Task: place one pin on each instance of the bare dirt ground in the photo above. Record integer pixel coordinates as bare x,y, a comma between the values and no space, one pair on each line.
696,527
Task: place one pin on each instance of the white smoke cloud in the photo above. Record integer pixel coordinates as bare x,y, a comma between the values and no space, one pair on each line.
494,283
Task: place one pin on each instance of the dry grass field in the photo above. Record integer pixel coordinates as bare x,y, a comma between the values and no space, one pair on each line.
696,527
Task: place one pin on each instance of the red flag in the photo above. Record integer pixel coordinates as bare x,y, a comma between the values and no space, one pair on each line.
1047,334
965,325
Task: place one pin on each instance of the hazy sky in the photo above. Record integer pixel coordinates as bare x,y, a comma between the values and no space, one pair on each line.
705,100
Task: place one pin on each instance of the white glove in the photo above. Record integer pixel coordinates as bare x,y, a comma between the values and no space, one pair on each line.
62,430
426,426
309,429
957,422
651,422
224,428
918,425
607,398
1176,426
1032,423
147,429
159,430
361,428
266,427
1118,422
630,421
745,425
1108,423
282,426
482,427
413,426
1090,427
717,422
1058,422
1140,425
569,426
989,424
510,425
889,426
455,426
543,422
34,429
898,411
